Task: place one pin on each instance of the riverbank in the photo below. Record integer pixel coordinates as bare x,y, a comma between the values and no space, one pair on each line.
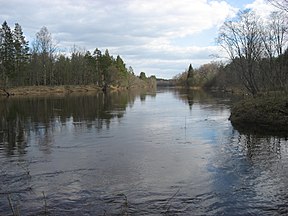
135,84
47,90
262,113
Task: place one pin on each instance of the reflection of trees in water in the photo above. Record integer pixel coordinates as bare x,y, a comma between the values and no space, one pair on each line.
20,117
259,129
12,134
249,168
143,95
212,99
264,150
268,156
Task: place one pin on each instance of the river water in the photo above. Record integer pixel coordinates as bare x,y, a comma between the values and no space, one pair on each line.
164,153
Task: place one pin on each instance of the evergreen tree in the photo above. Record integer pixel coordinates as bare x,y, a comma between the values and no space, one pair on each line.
142,76
105,62
190,76
21,52
7,53
90,69
63,70
97,56
121,66
122,73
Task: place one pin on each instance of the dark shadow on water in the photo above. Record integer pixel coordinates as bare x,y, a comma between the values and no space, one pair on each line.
264,130
21,116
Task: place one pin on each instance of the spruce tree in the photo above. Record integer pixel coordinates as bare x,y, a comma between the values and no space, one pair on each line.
121,66
190,76
21,52
7,52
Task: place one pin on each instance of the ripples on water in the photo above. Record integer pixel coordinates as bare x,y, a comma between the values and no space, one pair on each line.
170,153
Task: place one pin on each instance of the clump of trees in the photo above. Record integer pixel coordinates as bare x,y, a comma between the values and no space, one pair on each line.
258,56
206,76
14,54
256,50
42,64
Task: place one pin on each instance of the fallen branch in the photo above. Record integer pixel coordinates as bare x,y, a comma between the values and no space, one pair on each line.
4,90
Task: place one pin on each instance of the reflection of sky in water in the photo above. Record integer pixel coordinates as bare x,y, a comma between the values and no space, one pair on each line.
158,147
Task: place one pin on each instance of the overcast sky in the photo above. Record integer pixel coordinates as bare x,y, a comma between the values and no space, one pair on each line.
159,37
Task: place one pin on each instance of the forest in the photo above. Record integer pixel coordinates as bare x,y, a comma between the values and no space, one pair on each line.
42,64
257,59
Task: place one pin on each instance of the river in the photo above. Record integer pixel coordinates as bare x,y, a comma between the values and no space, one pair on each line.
168,152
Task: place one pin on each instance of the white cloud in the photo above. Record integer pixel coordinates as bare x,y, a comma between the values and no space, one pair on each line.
141,31
261,7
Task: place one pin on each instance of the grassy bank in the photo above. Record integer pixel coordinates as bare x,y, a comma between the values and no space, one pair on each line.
68,89
47,90
265,112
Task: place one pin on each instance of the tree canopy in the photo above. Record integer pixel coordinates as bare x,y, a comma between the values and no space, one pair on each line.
43,64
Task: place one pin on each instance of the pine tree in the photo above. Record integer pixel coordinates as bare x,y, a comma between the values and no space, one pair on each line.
97,56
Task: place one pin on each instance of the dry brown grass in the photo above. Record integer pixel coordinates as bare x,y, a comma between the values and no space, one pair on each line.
50,90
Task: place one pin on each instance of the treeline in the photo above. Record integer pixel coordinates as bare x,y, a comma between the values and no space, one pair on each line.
42,64
258,56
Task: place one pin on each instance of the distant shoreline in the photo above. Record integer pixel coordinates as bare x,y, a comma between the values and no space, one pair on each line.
48,90
23,91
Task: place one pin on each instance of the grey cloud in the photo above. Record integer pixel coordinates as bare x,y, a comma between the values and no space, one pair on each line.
122,26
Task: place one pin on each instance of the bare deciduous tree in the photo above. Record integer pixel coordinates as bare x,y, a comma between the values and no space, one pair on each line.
45,48
242,40
280,4
274,36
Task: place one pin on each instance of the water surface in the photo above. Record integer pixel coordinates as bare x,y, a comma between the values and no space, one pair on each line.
165,153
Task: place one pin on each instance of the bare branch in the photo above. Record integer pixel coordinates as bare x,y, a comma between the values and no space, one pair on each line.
280,4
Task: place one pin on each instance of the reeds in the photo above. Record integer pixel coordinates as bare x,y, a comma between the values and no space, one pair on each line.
14,212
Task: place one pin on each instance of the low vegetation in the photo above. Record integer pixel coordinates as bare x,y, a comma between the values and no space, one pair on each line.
269,112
